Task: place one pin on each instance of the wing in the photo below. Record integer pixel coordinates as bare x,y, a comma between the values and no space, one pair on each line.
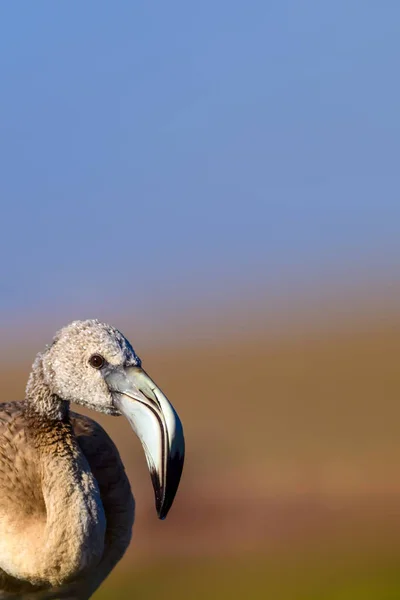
115,490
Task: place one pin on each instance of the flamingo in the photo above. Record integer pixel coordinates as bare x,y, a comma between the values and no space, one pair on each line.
66,506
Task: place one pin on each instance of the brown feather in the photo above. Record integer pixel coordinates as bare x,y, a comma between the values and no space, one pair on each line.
40,459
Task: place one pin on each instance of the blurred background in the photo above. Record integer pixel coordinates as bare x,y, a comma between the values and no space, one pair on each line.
220,181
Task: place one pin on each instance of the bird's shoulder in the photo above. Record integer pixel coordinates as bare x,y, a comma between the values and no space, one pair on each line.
11,413
100,452
13,433
94,441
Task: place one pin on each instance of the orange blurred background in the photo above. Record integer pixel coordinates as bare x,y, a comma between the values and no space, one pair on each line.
290,484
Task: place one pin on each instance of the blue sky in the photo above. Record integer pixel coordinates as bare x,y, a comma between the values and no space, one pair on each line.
161,154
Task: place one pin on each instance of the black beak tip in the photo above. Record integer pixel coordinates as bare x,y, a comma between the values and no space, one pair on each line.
164,498
162,508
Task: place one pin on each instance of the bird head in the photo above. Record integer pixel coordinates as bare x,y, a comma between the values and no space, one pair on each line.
93,364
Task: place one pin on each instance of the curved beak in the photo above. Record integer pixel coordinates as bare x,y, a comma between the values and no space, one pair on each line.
158,427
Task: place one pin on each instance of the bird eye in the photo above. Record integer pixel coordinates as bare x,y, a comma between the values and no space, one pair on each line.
96,361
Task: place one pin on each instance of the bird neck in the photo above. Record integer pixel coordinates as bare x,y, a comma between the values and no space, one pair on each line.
41,401
60,537
75,525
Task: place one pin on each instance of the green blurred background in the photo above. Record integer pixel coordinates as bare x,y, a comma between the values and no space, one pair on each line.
220,181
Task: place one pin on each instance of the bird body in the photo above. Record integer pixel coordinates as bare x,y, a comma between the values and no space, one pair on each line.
66,507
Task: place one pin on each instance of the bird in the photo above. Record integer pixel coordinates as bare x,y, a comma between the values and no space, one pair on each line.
66,505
